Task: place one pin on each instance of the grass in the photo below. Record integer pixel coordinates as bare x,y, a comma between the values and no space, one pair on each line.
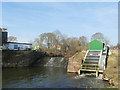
112,67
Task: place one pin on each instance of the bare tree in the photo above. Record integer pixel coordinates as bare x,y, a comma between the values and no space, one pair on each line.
48,39
37,41
83,40
12,39
99,36
58,36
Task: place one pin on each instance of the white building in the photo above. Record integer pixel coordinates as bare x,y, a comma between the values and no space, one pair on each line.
16,46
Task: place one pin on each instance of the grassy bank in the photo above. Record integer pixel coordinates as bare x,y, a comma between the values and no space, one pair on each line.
111,71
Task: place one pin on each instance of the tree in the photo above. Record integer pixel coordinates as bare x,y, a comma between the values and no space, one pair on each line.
83,40
48,39
74,44
106,41
58,36
12,39
64,43
37,41
99,36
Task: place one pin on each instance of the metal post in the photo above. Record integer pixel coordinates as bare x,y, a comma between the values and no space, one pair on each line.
97,73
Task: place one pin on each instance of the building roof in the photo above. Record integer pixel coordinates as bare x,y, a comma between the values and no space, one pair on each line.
3,29
96,45
19,43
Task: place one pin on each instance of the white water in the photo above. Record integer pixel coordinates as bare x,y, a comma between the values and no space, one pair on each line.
79,76
56,62
50,62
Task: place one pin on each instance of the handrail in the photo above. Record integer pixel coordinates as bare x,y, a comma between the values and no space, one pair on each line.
86,55
100,58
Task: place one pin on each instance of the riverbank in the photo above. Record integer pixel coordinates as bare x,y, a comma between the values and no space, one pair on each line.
11,59
111,72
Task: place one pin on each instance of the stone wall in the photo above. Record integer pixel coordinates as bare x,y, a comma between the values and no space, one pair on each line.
75,61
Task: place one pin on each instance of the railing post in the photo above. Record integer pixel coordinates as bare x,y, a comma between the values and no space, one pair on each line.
96,73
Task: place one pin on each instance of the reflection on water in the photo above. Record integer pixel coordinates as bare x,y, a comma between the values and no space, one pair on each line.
44,77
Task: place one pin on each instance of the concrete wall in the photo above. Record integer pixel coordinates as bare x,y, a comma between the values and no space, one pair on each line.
75,61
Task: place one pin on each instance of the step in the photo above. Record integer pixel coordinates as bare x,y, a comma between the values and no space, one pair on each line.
94,59
87,70
90,64
95,51
91,60
94,55
90,68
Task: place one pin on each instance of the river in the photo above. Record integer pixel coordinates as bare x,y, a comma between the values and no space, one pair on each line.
52,74
47,77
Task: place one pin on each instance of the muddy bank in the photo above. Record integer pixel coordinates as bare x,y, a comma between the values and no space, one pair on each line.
20,58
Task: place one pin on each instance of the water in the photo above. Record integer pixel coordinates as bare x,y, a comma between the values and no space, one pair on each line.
45,77
56,62
52,74
52,62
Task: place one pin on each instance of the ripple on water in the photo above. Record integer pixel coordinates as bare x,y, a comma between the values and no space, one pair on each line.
48,77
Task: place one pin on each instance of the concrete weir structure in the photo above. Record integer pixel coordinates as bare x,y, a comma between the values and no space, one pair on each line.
95,60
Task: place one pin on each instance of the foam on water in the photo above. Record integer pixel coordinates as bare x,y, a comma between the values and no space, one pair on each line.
79,76
56,62
100,77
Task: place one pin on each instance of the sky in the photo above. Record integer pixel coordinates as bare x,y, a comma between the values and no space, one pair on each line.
27,20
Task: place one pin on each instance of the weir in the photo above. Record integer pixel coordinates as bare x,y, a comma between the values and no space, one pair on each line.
51,62
95,60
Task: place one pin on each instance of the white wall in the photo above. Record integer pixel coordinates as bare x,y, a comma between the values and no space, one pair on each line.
10,46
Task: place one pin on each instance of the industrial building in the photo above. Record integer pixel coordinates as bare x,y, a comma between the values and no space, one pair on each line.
12,45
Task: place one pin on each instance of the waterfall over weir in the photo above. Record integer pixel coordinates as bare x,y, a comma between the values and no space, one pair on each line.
56,62
52,62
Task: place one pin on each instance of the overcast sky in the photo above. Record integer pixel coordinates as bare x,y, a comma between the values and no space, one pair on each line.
28,20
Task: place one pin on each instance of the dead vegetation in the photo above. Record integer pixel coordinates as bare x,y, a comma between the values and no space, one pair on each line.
111,71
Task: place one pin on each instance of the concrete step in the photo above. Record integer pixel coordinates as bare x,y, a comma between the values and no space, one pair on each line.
87,70
90,68
89,64
92,56
91,60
